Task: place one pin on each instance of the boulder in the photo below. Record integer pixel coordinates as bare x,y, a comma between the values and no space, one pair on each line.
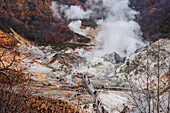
114,58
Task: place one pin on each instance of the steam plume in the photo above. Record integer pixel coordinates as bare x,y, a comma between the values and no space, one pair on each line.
118,30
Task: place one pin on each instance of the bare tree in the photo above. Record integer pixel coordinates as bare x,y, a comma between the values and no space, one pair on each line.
147,91
13,80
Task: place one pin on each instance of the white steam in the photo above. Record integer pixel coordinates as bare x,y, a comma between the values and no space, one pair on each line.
75,26
118,31
70,12
55,7
76,12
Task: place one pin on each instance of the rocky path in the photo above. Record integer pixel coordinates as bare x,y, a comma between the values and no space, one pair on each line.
96,100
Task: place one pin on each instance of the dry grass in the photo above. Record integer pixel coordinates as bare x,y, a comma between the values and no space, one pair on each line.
12,101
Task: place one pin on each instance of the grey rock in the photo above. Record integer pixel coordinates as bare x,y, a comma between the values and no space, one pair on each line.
114,58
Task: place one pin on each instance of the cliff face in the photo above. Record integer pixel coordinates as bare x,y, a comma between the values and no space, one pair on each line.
154,17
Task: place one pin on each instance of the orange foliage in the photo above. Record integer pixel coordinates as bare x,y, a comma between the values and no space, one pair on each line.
6,41
82,82
67,95
153,10
11,70
78,85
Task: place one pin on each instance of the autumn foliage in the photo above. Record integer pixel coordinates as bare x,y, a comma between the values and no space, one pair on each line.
10,69
35,104
153,10
154,18
15,95
34,20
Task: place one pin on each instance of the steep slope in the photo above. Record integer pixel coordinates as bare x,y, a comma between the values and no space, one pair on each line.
33,19
154,18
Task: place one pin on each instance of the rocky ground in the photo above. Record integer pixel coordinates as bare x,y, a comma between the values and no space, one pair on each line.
53,73
54,67
110,74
